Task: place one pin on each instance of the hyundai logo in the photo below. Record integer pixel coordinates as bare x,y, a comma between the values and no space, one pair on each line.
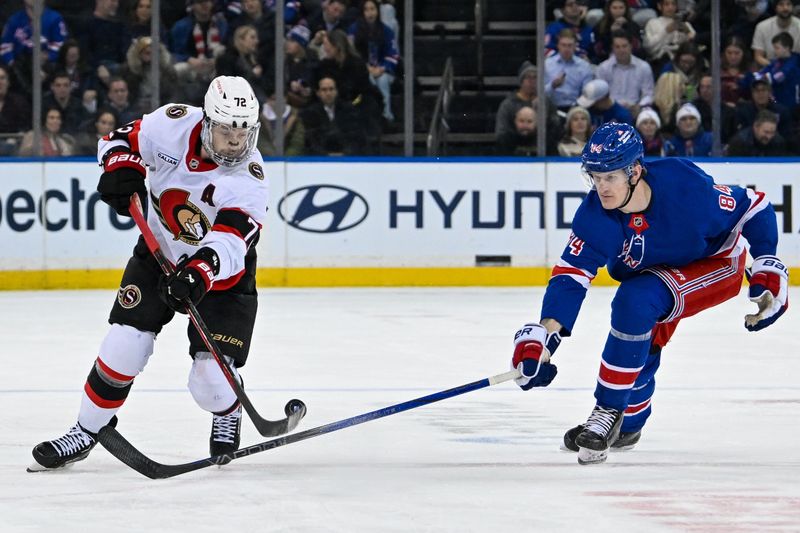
323,208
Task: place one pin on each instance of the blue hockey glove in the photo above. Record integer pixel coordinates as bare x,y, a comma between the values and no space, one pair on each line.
769,289
533,347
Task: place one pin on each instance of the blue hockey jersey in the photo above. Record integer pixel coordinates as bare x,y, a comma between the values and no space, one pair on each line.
689,218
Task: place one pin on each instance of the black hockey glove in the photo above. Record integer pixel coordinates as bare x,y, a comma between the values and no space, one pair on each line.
191,280
123,175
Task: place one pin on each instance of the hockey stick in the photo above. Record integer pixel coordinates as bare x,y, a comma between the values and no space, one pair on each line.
294,409
123,450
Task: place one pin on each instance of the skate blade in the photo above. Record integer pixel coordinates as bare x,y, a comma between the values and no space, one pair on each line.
592,457
36,467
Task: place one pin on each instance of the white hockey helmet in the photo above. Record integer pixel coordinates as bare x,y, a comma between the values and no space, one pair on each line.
231,110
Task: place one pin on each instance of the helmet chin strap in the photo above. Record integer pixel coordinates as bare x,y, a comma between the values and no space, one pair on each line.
631,187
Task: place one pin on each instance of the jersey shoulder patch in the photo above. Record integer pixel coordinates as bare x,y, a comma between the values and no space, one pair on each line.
176,111
256,170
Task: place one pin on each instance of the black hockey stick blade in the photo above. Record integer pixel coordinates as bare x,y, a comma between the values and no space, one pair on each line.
295,409
123,450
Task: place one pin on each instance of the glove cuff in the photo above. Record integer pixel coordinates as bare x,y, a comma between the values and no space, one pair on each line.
770,263
116,160
206,263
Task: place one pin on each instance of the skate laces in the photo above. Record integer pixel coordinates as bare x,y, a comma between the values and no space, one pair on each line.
226,427
74,441
602,420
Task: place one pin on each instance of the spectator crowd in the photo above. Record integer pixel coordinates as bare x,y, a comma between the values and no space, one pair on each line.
341,60
648,64
642,62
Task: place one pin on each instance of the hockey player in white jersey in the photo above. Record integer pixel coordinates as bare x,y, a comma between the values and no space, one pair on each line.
208,201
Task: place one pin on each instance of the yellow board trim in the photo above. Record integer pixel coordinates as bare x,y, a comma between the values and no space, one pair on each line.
321,277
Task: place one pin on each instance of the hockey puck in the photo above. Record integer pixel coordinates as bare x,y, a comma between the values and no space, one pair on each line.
295,406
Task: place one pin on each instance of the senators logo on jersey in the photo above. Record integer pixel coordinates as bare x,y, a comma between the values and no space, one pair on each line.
181,217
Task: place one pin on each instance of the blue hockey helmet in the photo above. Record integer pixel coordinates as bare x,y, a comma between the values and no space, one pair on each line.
612,146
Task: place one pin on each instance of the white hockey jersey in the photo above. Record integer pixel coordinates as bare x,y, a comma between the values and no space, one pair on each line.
194,202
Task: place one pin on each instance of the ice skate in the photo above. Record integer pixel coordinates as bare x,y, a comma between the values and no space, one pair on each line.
225,432
625,441
63,451
601,430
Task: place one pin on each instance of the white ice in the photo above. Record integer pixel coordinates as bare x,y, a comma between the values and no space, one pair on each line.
720,452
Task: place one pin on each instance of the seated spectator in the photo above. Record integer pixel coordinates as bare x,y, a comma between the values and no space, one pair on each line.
648,124
253,14
630,79
760,140
602,108
376,43
525,96
241,59
761,94
137,72
104,40
784,71
60,96
195,41
104,122
352,79
690,140
331,17
139,21
119,101
687,61
16,43
522,140
564,73
293,130
668,96
572,18
54,143
703,103
663,34
298,67
783,21
15,114
616,18
332,125
576,132
734,66
70,61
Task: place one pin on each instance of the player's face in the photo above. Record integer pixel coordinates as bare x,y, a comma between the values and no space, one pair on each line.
612,187
228,141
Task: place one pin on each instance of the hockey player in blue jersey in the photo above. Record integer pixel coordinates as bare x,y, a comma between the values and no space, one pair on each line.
675,242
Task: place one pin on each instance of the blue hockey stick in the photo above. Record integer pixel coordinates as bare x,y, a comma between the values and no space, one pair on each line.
123,450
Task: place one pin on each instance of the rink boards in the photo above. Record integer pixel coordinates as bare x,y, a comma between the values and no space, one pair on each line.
346,222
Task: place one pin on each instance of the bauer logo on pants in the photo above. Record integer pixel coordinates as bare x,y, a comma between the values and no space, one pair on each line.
129,296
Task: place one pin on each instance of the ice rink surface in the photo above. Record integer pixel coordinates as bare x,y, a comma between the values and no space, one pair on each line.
720,452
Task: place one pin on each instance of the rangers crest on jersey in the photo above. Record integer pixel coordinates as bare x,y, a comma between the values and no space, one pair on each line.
181,217
633,251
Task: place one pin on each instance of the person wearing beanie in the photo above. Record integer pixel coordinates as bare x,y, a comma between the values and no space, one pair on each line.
595,97
299,66
690,140
648,124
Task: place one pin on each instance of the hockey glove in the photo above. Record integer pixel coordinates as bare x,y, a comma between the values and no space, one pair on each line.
769,289
191,280
123,175
533,347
